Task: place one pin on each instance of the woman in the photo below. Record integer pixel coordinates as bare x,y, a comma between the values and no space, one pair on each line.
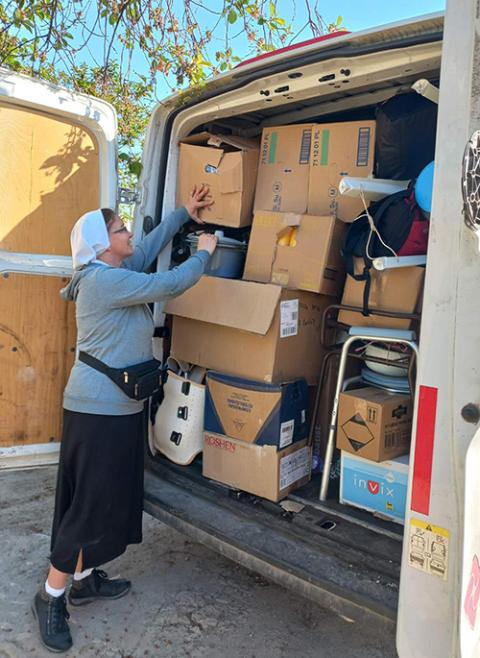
99,496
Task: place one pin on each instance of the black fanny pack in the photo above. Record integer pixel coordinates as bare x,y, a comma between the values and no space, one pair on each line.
138,382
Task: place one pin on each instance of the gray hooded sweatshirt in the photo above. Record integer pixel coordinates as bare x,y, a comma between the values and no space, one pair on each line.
114,323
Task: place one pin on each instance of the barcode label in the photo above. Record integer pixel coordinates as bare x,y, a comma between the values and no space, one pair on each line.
390,440
305,145
363,150
294,467
286,433
289,318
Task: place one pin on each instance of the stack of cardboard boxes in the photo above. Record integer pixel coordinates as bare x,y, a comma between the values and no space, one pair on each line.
373,434
260,337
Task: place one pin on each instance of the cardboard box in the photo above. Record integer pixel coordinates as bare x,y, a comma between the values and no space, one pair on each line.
283,169
265,414
253,330
374,424
228,165
380,488
260,470
312,259
338,150
398,289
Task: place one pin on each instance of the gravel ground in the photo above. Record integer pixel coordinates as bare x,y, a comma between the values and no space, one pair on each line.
186,601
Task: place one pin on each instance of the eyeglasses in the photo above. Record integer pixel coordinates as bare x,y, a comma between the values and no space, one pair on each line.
124,229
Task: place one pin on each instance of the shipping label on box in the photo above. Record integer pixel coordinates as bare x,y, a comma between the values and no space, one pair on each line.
289,318
294,467
376,487
374,423
338,150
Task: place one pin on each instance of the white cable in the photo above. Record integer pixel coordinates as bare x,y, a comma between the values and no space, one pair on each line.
373,229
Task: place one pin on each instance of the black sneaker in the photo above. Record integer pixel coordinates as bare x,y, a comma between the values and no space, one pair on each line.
97,586
51,614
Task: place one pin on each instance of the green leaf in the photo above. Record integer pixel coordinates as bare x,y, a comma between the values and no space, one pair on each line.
272,8
232,16
135,167
339,20
223,66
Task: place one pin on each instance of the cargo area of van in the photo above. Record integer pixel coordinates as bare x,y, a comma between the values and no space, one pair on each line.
262,481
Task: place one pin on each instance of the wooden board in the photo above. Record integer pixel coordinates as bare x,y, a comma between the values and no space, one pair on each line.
50,175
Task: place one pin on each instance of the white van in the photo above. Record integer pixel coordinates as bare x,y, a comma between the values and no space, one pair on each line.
59,159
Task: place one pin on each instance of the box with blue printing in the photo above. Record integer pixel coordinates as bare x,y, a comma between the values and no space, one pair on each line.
375,486
256,412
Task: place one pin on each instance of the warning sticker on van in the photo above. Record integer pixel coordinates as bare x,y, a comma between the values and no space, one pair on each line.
428,548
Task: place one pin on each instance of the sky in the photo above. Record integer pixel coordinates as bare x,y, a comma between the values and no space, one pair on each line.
358,15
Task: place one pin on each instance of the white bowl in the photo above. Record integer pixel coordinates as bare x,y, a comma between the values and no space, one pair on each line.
389,355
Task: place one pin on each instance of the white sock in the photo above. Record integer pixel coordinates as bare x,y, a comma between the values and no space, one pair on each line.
80,575
53,591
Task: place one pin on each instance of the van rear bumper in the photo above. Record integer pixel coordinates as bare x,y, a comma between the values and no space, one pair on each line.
357,578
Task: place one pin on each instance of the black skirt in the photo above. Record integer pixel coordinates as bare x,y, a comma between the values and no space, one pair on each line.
99,496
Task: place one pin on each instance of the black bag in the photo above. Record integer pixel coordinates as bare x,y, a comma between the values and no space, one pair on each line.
395,220
405,136
138,382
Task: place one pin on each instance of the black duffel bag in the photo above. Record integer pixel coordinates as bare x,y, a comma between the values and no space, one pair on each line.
139,381
406,127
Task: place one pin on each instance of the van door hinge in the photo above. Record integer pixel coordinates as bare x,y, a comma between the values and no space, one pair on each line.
128,196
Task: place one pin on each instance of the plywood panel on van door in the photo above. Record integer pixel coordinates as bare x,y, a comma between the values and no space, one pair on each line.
50,175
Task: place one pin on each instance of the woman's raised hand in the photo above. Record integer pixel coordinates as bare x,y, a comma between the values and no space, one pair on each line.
198,199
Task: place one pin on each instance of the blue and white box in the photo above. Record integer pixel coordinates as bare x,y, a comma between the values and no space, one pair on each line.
375,486
256,412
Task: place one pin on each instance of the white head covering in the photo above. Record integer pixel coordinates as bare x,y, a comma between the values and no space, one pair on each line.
89,238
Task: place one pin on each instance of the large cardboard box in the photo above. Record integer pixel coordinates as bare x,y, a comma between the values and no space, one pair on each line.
338,150
260,470
228,165
253,330
374,424
398,290
380,488
283,169
255,412
310,261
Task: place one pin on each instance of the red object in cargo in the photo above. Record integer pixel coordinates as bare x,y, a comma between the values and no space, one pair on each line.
416,243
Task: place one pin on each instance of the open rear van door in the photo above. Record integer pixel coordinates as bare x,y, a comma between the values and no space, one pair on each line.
440,577
58,161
